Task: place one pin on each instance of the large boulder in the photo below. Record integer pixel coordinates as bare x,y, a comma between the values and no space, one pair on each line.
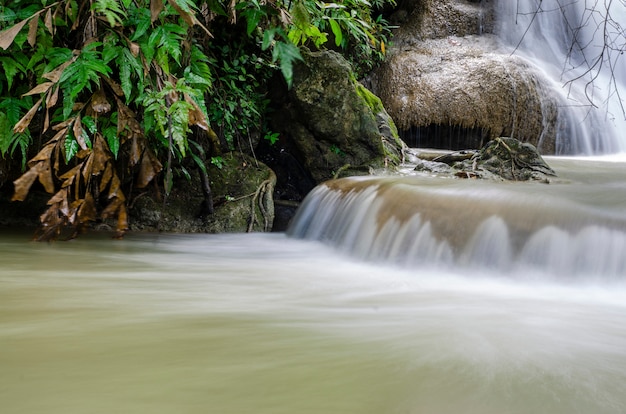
333,125
455,83
449,84
435,19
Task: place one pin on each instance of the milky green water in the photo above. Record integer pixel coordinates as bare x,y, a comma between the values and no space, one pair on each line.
236,324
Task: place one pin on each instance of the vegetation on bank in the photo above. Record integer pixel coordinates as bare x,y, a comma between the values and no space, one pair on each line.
100,97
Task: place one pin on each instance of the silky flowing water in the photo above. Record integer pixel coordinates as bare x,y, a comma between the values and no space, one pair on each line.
270,323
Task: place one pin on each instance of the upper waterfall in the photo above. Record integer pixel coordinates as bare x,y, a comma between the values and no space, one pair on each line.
550,73
579,46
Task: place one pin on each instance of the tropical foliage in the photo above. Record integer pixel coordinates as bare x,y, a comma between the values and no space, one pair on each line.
101,96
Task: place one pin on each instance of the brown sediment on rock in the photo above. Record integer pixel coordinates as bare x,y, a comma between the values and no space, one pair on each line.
462,85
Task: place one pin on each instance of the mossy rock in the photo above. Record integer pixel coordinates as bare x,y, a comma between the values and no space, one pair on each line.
242,192
333,123
508,159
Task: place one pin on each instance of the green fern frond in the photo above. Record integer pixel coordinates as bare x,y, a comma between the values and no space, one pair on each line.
82,74
131,73
112,11
11,68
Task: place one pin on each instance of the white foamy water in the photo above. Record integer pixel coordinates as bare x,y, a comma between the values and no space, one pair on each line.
579,45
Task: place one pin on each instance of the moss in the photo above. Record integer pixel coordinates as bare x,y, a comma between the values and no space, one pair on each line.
373,101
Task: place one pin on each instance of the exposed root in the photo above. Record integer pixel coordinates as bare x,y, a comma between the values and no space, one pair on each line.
263,197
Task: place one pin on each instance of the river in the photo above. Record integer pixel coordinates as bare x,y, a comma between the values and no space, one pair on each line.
267,323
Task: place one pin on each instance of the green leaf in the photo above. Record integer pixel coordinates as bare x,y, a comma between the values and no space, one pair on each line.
110,134
198,162
6,133
334,26
111,10
82,74
90,124
71,148
268,38
140,21
15,108
128,64
11,68
110,48
286,54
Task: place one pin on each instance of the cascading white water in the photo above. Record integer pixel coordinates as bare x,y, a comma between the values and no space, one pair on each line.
579,44
573,229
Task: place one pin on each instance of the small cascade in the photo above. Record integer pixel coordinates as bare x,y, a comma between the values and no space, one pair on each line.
580,48
414,222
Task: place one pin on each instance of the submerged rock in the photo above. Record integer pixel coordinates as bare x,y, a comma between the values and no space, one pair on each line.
510,159
503,158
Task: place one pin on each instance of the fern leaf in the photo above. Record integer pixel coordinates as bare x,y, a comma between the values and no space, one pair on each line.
128,66
141,21
11,68
125,81
111,10
6,133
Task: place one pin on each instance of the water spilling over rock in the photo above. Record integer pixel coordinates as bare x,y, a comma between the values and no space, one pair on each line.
462,73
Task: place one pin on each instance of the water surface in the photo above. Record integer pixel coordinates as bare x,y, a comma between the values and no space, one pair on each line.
261,323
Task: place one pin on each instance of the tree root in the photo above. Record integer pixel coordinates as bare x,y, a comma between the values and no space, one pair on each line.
263,196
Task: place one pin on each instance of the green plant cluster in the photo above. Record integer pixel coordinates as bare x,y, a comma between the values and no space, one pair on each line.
140,80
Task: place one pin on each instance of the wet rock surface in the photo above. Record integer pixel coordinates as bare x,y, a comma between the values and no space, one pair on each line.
503,158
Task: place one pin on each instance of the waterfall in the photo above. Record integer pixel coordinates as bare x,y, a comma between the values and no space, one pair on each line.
579,44
562,231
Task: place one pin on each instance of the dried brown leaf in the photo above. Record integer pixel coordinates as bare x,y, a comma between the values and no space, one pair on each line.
150,167
186,16
42,155
99,102
115,189
41,88
122,222
58,197
55,74
52,97
8,35
70,175
45,176
48,22
196,116
106,177
79,133
134,48
87,210
46,121
62,125
112,208
26,119
32,30
101,155
156,7
22,185
115,87
63,204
